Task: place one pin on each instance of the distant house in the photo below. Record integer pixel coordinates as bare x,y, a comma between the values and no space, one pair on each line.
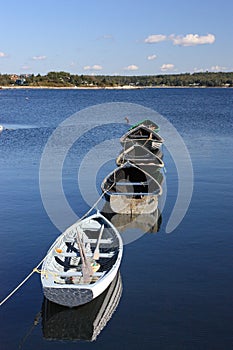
14,77
20,81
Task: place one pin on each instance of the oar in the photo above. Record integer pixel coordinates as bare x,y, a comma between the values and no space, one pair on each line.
85,268
86,259
96,254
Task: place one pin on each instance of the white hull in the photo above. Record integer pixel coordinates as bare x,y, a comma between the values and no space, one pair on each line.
78,295
64,284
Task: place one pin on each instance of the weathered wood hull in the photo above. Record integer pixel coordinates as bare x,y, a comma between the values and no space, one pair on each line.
129,190
123,204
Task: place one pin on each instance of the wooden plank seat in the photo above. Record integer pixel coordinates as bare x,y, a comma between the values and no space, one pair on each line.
137,136
128,183
77,273
102,241
90,240
76,254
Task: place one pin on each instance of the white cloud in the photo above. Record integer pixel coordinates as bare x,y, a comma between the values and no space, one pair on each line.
155,38
218,68
151,57
2,54
107,36
39,58
25,67
94,67
167,66
192,39
199,70
97,67
131,67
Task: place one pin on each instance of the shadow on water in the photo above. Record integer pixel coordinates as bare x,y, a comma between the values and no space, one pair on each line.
146,223
82,323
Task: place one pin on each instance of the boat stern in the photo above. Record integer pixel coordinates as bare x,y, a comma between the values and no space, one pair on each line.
69,297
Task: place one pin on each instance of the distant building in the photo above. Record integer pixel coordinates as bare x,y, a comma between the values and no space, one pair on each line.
20,81
14,77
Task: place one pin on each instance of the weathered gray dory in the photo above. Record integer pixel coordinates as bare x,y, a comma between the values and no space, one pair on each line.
130,190
82,262
142,157
142,135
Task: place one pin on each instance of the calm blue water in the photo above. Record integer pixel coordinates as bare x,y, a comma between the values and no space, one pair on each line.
177,288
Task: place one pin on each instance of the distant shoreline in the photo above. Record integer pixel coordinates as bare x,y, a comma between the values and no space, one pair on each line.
126,87
66,80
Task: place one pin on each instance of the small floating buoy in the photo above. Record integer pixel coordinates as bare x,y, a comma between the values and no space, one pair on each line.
1,129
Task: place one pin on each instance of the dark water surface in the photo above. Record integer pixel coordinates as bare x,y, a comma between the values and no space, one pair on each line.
177,288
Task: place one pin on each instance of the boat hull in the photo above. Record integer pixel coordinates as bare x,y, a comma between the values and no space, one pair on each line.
70,297
123,204
80,294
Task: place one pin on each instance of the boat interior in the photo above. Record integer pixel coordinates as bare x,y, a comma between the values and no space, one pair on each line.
67,259
131,181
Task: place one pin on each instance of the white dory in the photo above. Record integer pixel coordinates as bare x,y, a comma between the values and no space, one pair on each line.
82,262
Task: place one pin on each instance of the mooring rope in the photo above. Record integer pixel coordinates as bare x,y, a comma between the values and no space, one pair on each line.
22,283
41,262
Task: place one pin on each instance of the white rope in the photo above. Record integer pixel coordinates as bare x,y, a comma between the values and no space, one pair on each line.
94,205
24,281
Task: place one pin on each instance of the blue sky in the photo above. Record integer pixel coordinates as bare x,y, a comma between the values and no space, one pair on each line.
130,37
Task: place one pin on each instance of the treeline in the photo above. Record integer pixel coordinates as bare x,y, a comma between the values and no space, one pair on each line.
64,79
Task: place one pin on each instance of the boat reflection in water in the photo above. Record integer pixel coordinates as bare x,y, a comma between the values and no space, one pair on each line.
83,322
147,223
